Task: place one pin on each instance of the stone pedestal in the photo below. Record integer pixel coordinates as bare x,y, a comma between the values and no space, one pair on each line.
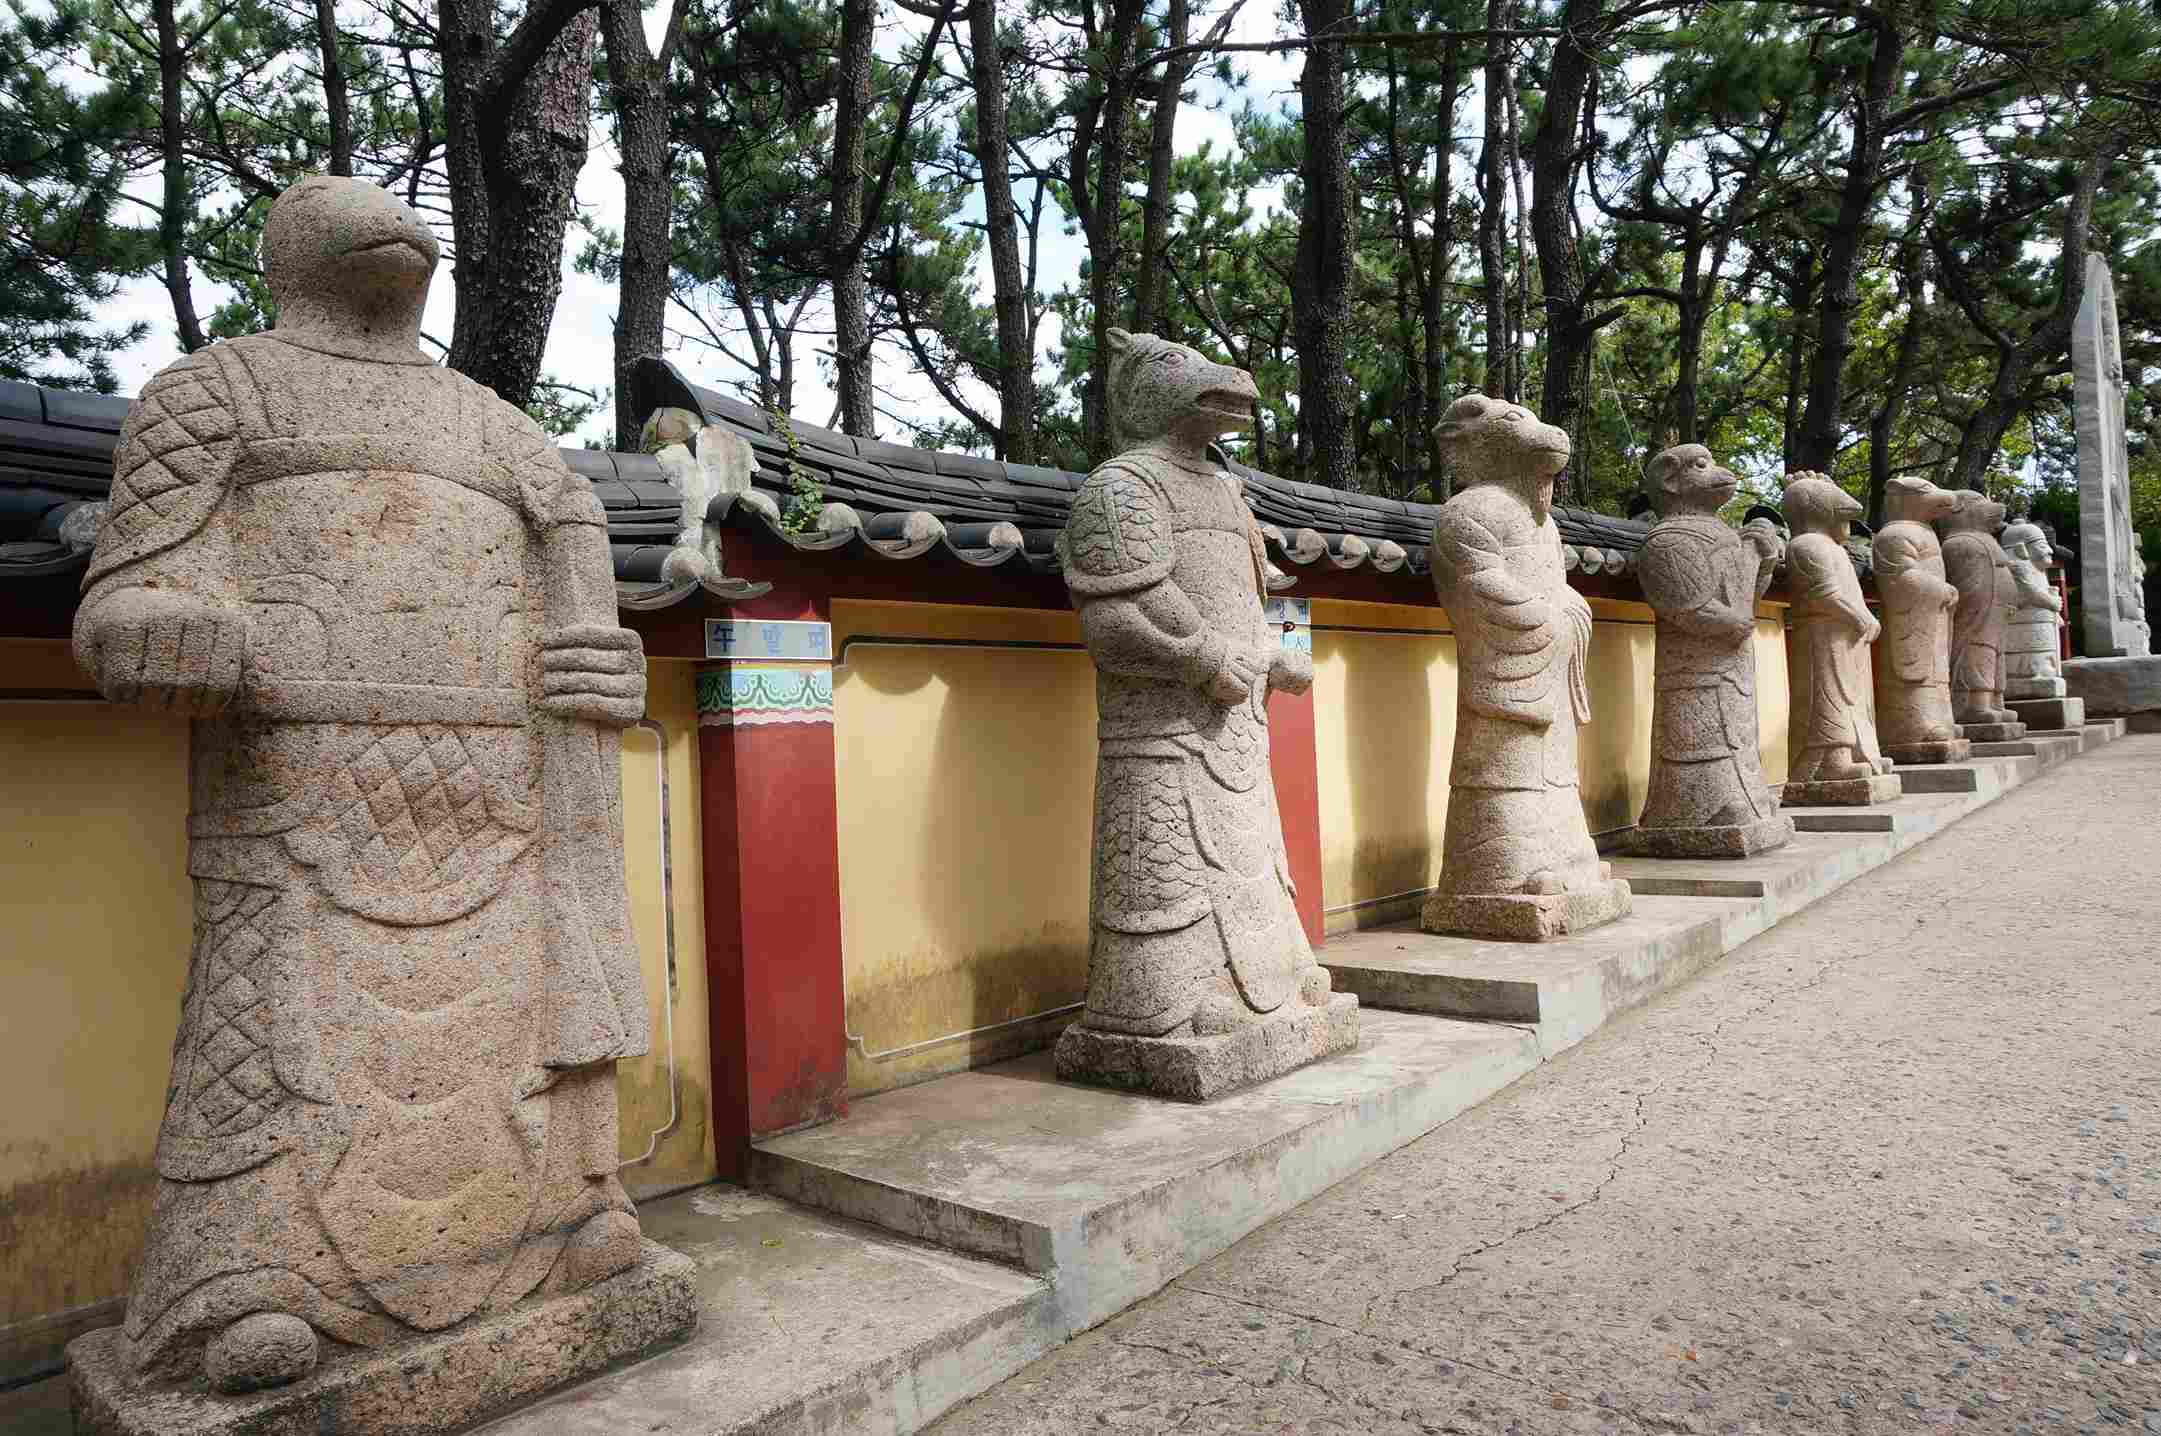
1841,792
2048,712
446,1381
2111,687
1948,750
1738,841
1191,1068
1992,732
1528,917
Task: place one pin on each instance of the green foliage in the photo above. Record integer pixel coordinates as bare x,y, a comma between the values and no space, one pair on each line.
806,496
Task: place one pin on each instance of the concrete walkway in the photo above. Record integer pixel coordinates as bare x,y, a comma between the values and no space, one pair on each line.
1894,1165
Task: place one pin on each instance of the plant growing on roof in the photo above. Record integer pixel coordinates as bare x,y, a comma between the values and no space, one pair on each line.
806,496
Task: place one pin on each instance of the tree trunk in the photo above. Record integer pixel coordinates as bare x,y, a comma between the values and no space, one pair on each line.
1817,445
636,81
1689,318
1096,177
178,200
1321,297
337,105
1798,303
1983,433
1884,422
1438,266
851,285
1491,157
1569,329
1162,134
1009,289
515,138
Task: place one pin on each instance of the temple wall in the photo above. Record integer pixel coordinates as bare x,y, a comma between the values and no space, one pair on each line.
93,955
1384,719
964,756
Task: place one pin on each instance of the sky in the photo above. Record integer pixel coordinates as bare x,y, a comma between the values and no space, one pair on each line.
581,340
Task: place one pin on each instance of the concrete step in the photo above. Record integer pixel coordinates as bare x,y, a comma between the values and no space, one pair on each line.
809,1322
2050,750
1113,1195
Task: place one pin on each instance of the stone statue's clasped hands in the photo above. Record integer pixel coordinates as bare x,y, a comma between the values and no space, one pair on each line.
595,672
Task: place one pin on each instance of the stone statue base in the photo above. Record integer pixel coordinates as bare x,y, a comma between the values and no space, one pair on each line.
2048,712
1739,841
442,1382
2113,687
1199,1069
1990,732
1842,792
1528,917
2022,689
1947,750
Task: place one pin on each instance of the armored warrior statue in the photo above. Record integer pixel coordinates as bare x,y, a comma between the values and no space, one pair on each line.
1200,978
1707,796
2031,640
1833,733
389,609
1518,860
1913,674
1976,565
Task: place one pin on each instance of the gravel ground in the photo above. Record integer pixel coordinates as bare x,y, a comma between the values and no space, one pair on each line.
1895,1164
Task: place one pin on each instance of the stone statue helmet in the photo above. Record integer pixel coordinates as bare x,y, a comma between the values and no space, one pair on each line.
1973,512
1686,479
349,266
2027,541
1491,441
1911,500
1159,390
1813,504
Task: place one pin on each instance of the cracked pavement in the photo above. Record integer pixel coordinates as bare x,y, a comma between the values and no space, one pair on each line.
1895,1165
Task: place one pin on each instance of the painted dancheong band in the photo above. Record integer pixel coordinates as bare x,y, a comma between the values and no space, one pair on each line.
748,696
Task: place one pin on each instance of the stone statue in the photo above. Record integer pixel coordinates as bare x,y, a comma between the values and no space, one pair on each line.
1707,796
2032,639
388,607
1200,978
2112,604
1913,673
1976,565
1833,734
1517,858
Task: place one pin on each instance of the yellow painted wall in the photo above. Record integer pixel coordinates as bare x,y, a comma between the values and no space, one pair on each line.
1384,728
94,952
964,749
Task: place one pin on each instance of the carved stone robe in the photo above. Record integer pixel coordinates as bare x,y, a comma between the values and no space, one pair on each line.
392,1091
1190,874
1913,689
1831,697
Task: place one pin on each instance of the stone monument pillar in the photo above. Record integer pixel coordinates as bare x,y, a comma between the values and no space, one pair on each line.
2119,673
2033,685
1913,668
1976,565
1517,858
1833,733
388,1161
1200,979
1707,796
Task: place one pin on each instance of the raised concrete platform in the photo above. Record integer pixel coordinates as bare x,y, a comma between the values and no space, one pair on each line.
2115,686
809,1323
1112,1195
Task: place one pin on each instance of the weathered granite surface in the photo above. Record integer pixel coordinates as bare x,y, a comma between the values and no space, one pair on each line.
2112,602
2049,713
1707,796
1517,857
1193,936
2112,687
1976,565
1913,672
2032,646
392,1107
1841,792
1833,731
441,1381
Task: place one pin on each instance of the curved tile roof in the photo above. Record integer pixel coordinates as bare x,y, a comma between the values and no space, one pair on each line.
886,500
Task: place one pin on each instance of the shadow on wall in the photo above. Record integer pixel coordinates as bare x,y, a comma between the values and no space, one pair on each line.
966,784
1395,748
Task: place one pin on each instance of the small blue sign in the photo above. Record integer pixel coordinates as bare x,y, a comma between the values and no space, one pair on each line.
1295,617
768,638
